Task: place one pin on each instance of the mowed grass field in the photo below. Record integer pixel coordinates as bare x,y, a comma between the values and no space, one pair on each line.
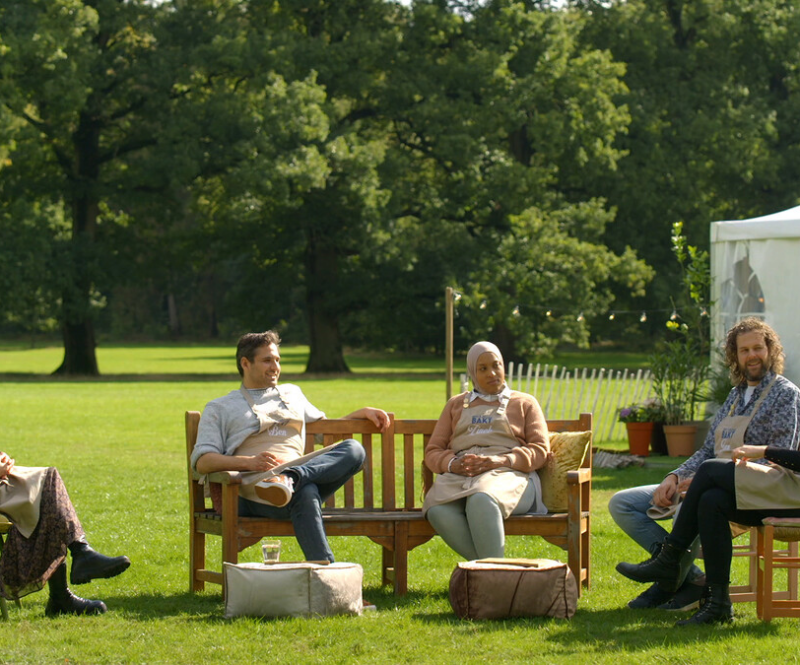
119,447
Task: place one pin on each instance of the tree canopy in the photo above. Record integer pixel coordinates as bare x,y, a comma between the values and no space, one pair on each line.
209,167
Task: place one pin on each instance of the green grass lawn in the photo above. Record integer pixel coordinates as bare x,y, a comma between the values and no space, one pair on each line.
119,447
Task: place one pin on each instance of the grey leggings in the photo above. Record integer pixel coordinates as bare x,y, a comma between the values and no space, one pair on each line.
473,526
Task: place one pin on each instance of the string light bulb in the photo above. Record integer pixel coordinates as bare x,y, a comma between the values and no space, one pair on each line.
548,313
612,316
456,296
580,318
482,305
704,312
674,315
516,311
643,317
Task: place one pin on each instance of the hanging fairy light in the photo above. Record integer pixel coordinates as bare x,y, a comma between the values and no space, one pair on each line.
674,315
516,311
612,316
548,314
580,318
643,317
482,305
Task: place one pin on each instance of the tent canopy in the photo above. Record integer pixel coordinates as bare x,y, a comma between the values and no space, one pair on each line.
755,269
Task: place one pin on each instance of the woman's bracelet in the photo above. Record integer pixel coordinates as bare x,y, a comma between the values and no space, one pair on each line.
450,463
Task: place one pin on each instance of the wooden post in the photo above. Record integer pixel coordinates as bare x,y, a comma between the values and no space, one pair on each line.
448,341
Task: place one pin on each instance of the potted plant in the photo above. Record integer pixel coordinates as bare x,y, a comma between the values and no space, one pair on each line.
681,364
639,428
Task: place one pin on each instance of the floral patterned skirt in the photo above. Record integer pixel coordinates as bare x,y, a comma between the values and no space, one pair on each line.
27,563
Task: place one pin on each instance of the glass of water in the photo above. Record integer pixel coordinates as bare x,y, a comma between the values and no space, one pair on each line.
271,549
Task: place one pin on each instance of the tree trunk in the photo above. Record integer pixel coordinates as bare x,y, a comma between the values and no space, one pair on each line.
326,355
79,349
77,326
504,339
174,319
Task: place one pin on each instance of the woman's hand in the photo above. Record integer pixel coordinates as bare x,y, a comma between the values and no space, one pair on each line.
744,453
474,465
6,464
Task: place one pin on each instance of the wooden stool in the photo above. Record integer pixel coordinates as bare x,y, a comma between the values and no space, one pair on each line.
768,605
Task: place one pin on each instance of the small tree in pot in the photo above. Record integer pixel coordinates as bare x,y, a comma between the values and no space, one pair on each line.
681,365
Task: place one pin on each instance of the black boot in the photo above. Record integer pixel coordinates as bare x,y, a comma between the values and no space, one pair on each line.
88,565
63,601
717,609
669,568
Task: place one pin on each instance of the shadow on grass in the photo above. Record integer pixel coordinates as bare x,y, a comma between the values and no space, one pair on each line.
209,607
613,629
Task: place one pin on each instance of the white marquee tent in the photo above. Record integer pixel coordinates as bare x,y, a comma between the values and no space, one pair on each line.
755,271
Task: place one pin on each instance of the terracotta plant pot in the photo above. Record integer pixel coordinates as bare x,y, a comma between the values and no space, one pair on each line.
639,435
680,439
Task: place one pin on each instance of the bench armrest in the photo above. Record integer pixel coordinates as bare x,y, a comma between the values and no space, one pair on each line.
579,476
222,477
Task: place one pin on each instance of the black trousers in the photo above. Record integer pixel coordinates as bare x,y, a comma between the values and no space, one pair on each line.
709,505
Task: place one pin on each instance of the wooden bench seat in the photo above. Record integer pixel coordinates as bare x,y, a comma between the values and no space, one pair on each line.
393,470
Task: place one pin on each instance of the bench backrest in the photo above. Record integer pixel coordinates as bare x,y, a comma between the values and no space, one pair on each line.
397,460
416,433
358,492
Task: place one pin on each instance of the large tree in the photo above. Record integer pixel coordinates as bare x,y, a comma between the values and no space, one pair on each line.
713,95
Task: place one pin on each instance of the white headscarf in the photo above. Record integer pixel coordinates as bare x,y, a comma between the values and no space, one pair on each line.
477,350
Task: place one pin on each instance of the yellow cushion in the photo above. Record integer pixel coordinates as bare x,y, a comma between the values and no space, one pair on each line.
567,451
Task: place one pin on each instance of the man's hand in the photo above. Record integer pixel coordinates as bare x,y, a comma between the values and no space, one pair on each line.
264,462
666,490
378,417
744,453
6,464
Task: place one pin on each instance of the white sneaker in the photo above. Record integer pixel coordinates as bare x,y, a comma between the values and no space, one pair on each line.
277,490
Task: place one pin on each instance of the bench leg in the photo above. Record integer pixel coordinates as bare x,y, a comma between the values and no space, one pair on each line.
230,519
400,558
387,566
197,558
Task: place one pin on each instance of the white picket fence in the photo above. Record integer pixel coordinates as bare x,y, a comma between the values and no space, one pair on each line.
564,394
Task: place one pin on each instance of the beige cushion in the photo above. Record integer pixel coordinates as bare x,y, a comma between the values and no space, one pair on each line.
292,589
567,451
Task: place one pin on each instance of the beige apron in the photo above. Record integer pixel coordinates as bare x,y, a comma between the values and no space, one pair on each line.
758,486
280,433
21,497
482,430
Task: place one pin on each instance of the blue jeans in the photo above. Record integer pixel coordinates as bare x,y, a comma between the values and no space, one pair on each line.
629,507
314,482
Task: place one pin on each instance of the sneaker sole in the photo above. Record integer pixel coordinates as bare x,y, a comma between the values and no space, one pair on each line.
275,495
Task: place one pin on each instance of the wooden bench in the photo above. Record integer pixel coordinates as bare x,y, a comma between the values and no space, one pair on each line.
394,470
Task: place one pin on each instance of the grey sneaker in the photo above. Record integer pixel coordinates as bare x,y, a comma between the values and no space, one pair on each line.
277,490
651,598
688,597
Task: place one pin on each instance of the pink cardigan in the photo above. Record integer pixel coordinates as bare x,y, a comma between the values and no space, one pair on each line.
527,422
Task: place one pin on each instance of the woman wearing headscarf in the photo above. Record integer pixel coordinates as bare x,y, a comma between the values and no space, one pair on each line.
486,448
45,527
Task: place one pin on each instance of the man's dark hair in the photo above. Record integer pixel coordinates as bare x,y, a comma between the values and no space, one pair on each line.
249,343
771,339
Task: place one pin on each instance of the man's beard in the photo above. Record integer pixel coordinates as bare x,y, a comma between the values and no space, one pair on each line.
756,373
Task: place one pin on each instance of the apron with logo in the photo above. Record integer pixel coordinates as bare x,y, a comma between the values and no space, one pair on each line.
21,497
758,486
280,433
482,430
